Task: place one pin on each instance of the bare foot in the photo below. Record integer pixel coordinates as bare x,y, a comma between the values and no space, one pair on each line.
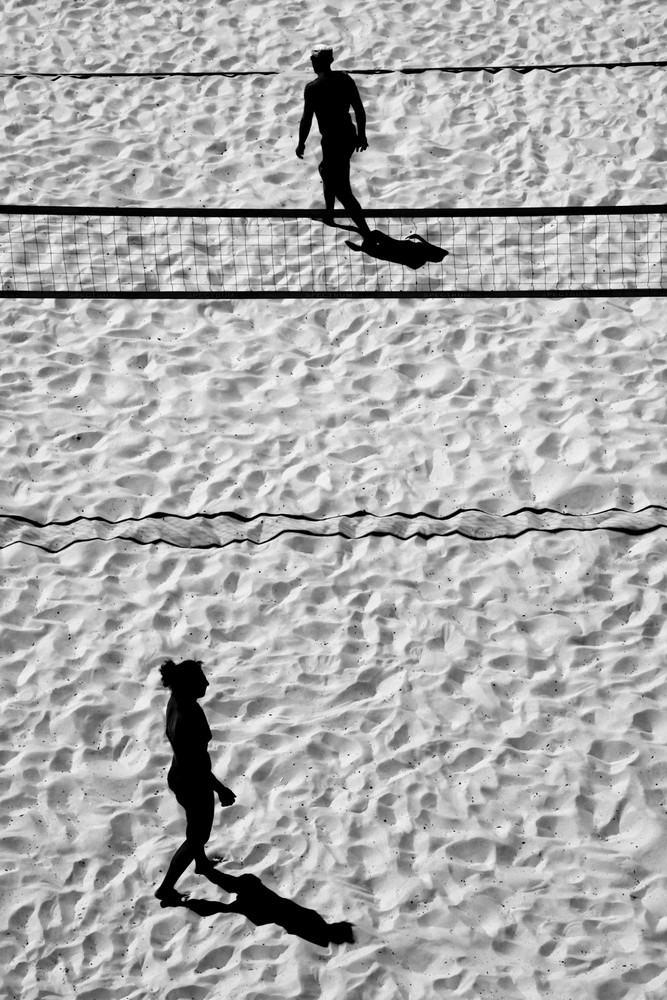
211,862
170,897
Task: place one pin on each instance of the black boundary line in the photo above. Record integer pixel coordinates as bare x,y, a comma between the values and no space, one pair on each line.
161,75
526,293
161,515
631,532
316,214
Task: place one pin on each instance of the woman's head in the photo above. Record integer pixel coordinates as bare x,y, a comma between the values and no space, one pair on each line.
185,679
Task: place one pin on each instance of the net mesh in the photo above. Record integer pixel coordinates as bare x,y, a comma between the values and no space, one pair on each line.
243,253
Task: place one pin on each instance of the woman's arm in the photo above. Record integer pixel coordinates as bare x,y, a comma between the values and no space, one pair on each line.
226,795
189,739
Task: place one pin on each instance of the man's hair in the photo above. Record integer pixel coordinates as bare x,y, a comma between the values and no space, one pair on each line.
322,52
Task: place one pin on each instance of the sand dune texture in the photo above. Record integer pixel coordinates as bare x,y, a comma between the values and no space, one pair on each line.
477,782
455,743
585,137
99,34
125,409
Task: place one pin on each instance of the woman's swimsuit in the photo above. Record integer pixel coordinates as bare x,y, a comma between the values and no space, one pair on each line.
189,778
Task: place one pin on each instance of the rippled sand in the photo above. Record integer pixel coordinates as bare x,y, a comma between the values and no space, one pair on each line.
477,783
124,409
102,35
457,745
586,137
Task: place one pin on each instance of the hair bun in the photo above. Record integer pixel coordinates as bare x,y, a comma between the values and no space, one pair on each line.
168,672
178,674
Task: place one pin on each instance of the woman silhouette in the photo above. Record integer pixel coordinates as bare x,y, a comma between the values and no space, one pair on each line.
190,777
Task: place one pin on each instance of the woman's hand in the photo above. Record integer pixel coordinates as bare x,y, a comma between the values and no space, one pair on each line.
225,795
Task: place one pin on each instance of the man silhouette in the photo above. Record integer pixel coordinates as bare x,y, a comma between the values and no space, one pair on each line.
329,98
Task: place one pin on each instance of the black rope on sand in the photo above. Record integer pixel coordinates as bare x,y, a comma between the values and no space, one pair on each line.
160,75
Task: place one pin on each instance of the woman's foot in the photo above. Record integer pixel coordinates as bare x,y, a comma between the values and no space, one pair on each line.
202,867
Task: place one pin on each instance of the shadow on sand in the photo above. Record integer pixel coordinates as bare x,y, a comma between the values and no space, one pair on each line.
414,251
263,906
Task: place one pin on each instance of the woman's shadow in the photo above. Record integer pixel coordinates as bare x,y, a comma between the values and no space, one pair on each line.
263,906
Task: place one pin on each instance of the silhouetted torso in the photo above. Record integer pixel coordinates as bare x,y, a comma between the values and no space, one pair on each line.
330,97
189,735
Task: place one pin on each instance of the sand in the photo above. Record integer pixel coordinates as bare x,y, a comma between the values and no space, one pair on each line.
99,35
586,137
127,409
477,783
456,744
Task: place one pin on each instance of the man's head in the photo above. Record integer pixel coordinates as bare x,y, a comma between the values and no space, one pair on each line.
321,57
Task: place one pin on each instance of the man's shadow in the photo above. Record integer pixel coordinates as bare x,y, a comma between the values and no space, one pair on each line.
414,251
263,906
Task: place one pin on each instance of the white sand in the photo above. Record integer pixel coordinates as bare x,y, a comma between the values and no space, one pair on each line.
102,35
459,746
308,408
585,137
477,781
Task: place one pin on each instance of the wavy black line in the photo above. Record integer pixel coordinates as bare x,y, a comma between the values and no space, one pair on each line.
217,530
247,518
514,67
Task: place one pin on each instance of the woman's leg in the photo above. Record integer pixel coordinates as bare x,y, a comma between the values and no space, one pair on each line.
183,857
199,820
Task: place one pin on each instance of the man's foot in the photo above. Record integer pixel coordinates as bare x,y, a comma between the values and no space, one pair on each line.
433,253
170,897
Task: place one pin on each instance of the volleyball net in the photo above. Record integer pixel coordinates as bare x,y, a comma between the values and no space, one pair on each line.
68,252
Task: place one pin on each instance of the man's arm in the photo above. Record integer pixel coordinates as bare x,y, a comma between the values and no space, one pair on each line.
304,125
359,114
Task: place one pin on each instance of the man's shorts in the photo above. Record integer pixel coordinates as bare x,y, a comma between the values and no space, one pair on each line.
337,150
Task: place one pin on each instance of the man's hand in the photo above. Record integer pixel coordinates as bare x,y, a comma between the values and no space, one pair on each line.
226,796
362,143
300,150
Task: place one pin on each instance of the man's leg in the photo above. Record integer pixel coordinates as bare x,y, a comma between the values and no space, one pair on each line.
335,173
351,205
329,194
